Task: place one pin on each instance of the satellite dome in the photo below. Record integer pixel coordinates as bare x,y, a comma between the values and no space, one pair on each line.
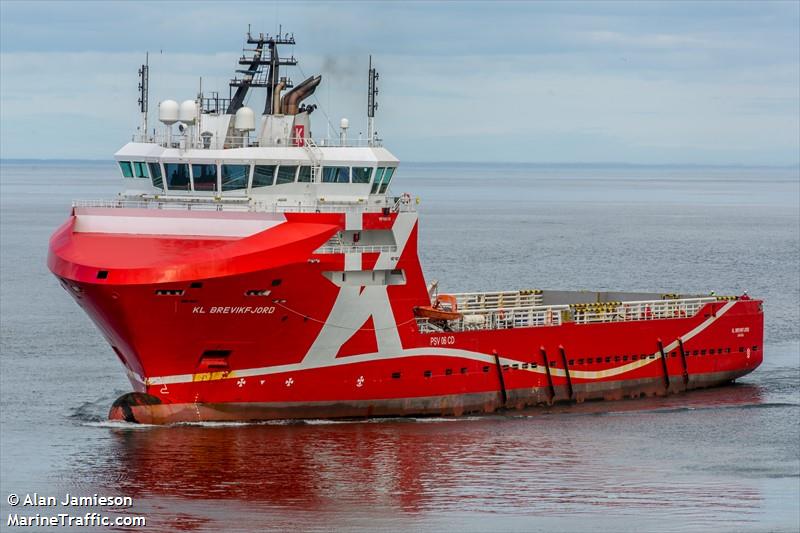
188,112
168,112
245,119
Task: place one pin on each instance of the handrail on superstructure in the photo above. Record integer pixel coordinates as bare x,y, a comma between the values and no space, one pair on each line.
248,205
185,142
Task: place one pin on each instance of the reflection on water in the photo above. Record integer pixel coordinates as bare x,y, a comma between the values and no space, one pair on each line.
562,462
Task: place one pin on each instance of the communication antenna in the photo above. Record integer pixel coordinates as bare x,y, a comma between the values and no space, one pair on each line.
372,103
144,90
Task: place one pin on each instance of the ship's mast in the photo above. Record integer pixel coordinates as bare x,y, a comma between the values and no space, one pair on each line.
144,90
372,103
255,76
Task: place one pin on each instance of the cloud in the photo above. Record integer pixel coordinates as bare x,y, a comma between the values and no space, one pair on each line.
718,82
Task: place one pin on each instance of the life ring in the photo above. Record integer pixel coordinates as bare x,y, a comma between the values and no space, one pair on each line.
406,198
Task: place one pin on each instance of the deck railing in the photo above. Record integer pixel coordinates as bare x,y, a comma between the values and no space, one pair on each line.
186,142
496,300
355,248
641,310
248,205
555,315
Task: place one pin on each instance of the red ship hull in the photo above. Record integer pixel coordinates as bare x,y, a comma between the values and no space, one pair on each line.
266,325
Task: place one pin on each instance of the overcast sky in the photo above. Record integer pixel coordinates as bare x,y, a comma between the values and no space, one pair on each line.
637,82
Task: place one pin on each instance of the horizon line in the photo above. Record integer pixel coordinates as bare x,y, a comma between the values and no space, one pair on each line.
484,162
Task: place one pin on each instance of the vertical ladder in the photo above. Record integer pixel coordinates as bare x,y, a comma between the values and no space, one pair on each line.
315,155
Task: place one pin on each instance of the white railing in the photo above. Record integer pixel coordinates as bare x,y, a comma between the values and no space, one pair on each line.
555,315
520,317
498,300
641,310
196,203
355,249
186,142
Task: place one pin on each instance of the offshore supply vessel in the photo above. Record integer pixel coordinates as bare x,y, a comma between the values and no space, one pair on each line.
251,272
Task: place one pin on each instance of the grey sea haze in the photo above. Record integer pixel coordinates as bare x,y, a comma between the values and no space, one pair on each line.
725,459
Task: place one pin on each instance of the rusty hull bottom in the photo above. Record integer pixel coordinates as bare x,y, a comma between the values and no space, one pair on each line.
146,409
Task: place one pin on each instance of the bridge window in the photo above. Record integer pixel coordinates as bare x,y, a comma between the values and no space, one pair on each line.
387,176
234,177
378,177
155,175
361,174
205,177
286,174
177,176
263,175
140,169
127,170
304,176
336,175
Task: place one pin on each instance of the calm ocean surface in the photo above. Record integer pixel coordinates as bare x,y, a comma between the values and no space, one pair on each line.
726,459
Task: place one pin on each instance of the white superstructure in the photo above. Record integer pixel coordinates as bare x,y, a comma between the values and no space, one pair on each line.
218,150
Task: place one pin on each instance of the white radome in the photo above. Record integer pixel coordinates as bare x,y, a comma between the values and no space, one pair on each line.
168,112
188,112
245,119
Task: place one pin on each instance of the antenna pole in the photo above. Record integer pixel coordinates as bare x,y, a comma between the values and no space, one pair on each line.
144,92
372,104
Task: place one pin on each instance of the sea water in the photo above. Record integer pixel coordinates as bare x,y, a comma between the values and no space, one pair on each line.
724,459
